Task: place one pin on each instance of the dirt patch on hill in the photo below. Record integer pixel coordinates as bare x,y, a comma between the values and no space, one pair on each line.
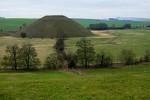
107,33
112,39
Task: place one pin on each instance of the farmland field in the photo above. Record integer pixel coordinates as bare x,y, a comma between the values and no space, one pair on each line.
126,83
15,23
112,41
74,50
86,22
92,84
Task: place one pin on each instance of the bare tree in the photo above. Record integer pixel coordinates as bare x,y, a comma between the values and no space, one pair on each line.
85,52
12,59
28,56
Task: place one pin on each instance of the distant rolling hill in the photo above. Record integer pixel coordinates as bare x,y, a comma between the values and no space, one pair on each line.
133,18
55,26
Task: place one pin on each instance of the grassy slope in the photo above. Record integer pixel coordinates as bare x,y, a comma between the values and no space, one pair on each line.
106,84
15,23
137,40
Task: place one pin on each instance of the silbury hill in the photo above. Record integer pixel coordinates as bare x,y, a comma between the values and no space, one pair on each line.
53,27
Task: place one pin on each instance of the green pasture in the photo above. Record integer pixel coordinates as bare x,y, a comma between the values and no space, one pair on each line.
15,23
87,22
129,83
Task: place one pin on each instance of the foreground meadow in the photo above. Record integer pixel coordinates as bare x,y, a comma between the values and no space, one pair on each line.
92,84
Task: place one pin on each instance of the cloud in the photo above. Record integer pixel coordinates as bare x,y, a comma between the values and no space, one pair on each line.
75,8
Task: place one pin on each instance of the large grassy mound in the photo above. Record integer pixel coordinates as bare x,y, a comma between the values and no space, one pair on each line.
53,26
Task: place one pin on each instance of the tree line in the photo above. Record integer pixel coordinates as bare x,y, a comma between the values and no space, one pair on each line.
104,26
25,57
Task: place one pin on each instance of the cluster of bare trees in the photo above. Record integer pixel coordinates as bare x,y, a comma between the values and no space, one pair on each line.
21,58
85,56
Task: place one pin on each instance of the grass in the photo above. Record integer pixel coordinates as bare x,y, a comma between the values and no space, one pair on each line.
86,22
136,40
15,23
43,46
95,84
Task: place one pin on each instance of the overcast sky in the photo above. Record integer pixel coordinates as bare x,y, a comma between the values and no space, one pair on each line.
97,9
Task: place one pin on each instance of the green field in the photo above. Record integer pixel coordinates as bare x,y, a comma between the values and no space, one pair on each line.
112,41
86,22
92,84
129,83
15,23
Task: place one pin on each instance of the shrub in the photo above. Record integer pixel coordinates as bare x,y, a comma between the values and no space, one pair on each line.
85,52
51,61
127,26
128,57
100,26
23,35
147,55
12,59
28,57
104,59
71,60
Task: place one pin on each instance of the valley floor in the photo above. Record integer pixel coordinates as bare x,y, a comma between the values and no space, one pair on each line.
112,41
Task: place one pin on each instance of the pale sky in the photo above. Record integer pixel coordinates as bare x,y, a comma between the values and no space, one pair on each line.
95,9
